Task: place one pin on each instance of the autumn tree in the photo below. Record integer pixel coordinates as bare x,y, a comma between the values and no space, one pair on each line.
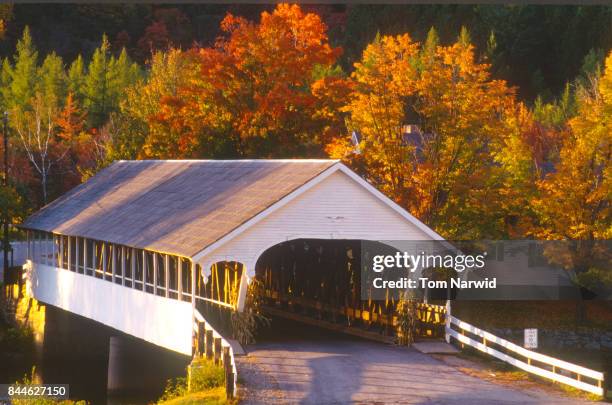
464,115
255,94
35,127
83,158
575,200
45,113
436,132
170,28
385,79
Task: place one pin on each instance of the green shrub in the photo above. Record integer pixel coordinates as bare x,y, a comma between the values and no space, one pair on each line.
406,320
175,387
206,374
17,339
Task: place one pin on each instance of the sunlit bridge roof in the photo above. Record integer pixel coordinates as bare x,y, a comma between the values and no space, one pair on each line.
173,206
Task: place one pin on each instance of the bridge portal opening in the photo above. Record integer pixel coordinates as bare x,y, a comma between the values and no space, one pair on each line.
318,281
315,282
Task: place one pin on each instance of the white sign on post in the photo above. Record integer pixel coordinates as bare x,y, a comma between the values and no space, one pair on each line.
531,339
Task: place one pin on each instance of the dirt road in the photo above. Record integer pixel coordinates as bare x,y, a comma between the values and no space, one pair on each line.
302,367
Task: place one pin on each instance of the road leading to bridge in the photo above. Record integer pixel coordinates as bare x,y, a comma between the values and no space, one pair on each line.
302,367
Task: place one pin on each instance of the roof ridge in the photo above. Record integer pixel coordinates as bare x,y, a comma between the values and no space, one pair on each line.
232,160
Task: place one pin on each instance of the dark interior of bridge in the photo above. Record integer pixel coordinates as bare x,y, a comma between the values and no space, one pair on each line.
313,281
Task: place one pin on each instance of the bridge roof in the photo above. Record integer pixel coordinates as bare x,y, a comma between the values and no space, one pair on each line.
173,206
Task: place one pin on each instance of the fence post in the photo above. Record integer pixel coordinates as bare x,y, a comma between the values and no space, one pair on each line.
189,378
201,333
209,344
229,374
447,321
217,350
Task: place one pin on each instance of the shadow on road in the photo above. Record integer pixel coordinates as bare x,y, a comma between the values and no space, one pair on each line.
306,365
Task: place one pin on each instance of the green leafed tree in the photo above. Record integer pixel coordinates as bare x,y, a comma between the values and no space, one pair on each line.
52,75
168,72
124,73
106,79
6,72
96,86
24,75
76,79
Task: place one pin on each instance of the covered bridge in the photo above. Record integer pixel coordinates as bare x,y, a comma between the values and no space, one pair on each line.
137,246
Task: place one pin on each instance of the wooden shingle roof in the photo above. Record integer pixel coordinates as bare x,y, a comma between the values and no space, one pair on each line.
177,207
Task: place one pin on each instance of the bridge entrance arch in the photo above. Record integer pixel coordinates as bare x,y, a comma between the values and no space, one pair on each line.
322,279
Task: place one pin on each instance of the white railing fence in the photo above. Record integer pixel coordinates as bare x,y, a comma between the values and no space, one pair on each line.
211,344
576,376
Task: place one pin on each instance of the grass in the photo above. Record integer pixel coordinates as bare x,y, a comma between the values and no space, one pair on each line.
207,386
574,392
209,396
506,373
206,374
46,401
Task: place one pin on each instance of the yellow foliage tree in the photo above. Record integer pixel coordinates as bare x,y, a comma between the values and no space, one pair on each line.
436,135
575,199
384,78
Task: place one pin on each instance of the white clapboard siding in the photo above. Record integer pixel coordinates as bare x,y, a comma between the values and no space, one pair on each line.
338,207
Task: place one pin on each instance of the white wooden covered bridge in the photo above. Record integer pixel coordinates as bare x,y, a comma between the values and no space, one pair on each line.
133,246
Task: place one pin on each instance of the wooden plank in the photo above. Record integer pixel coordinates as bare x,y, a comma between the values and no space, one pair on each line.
179,277
167,273
113,248
155,269
70,253
123,265
328,325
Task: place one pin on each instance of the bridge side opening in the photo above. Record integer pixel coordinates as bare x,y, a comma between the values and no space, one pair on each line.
217,292
156,273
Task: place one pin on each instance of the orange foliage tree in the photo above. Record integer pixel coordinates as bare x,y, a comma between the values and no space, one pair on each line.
266,89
